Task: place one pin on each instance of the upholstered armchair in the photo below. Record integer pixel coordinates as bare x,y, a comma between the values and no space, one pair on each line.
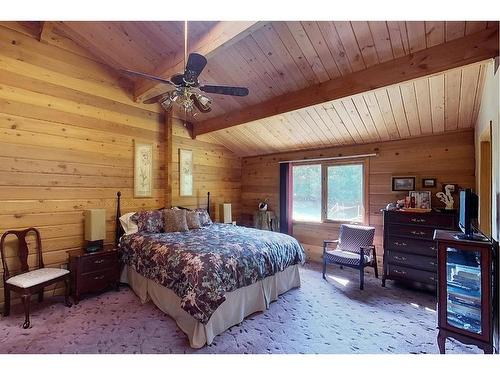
354,248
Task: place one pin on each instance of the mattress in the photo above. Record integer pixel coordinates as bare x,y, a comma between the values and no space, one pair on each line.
202,266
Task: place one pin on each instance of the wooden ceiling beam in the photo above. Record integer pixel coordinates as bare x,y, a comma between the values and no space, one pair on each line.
467,50
222,35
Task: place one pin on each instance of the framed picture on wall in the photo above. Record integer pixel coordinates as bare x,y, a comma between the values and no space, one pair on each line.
403,183
428,183
143,169
185,173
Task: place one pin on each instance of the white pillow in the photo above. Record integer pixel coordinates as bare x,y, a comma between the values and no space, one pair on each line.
128,225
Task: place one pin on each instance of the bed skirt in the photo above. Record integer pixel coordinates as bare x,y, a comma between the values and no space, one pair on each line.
238,304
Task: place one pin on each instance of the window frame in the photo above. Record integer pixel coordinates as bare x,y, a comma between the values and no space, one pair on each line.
364,162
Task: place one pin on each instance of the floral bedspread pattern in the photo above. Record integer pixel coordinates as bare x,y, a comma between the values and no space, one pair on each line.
202,265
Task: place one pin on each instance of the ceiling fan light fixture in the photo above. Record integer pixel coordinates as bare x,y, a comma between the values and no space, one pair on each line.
167,103
205,101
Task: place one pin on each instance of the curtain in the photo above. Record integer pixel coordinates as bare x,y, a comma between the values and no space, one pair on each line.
286,198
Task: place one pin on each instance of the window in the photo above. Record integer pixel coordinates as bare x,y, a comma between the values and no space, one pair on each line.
306,192
345,192
328,192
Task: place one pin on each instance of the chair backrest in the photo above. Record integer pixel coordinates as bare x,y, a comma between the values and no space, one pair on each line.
352,237
22,251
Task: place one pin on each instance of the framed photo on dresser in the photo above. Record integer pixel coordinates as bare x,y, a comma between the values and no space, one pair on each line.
422,199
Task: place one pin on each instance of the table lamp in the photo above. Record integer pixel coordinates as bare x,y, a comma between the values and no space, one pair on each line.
225,215
95,229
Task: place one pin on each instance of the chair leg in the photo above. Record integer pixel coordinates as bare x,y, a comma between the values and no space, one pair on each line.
324,269
26,298
67,301
361,278
6,309
40,296
375,268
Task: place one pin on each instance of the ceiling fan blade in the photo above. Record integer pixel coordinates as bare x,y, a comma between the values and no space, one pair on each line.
156,98
225,90
196,63
147,76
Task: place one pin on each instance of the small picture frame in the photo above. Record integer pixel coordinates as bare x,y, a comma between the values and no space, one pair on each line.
403,183
428,183
422,199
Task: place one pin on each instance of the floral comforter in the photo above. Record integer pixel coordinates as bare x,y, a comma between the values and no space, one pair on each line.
202,265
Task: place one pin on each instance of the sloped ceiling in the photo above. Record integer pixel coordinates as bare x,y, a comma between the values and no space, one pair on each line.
276,58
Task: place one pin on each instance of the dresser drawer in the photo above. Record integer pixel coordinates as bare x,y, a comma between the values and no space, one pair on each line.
432,220
412,260
409,245
94,281
99,262
410,274
410,231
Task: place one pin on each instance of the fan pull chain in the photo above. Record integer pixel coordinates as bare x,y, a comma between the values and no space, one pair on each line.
185,42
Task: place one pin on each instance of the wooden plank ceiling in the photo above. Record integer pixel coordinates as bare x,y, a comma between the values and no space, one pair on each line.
430,105
278,58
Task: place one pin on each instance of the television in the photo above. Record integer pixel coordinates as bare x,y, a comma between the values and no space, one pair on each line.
467,218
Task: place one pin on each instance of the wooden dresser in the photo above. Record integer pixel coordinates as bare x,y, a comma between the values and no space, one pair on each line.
92,272
410,253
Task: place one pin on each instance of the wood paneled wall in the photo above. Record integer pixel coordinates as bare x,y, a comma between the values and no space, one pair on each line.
66,143
216,170
67,127
449,158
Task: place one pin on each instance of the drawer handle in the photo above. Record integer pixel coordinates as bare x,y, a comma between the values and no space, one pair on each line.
432,278
99,261
417,233
432,248
417,220
99,277
397,257
400,243
432,263
398,272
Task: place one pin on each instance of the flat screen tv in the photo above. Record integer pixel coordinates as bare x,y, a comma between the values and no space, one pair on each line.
468,209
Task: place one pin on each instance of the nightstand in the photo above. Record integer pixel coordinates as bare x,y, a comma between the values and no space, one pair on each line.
93,272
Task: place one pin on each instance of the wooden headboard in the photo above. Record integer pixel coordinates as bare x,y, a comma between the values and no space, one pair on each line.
118,227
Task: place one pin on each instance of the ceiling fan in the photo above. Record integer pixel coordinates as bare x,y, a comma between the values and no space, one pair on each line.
187,92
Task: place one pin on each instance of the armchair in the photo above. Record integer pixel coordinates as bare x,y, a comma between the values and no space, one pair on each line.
354,248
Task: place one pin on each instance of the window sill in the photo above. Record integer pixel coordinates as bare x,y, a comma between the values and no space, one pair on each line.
328,223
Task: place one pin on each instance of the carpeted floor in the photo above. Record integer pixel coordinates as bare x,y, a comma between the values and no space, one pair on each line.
331,316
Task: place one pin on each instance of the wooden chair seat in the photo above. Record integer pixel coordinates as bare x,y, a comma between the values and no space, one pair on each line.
36,277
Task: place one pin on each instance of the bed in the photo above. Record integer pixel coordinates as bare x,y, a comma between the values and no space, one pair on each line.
210,279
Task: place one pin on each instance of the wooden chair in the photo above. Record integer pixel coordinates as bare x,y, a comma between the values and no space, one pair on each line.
29,282
354,249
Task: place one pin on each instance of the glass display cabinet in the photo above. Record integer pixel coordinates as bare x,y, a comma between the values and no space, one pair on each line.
465,295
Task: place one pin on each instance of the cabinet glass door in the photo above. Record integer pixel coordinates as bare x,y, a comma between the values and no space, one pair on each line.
463,289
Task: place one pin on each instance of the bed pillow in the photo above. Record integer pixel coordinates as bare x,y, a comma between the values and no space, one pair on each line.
204,217
193,219
129,226
149,221
175,221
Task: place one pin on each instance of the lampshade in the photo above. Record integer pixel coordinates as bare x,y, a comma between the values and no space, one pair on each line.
225,213
95,224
